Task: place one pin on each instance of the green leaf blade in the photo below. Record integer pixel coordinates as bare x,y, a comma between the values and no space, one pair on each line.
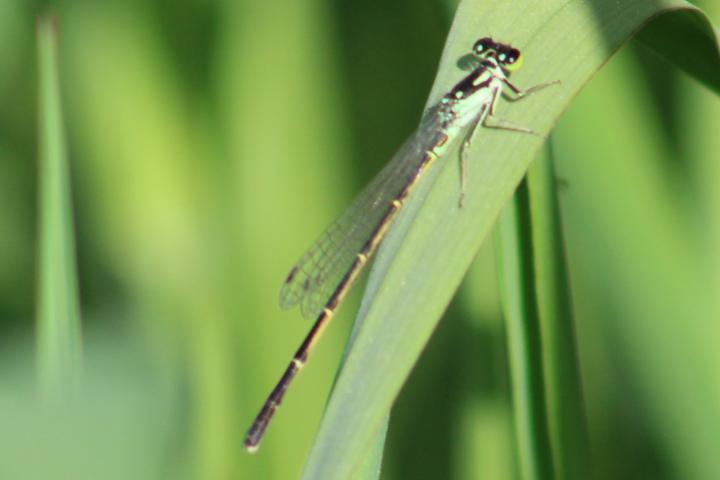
422,261
58,311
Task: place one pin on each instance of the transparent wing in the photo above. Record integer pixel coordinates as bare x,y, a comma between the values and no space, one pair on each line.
317,274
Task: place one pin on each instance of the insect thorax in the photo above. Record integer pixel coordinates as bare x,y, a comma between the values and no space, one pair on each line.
473,93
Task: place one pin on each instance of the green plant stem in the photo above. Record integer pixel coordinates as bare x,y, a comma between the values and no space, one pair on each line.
547,393
524,344
58,314
563,389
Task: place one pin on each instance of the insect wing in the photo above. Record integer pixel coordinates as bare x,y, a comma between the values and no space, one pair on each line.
317,274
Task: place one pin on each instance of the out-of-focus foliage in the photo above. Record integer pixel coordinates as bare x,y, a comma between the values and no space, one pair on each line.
209,142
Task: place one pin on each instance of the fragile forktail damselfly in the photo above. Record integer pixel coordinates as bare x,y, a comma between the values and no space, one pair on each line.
322,277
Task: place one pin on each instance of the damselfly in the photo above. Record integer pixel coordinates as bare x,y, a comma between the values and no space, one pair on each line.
322,277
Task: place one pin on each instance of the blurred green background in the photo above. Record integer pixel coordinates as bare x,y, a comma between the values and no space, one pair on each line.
210,142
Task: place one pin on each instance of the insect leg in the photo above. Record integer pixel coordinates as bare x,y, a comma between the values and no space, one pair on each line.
501,124
524,93
464,152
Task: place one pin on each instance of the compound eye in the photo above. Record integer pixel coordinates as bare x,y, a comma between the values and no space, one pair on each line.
511,59
483,46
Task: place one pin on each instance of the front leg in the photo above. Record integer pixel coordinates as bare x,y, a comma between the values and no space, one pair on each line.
524,93
489,120
502,124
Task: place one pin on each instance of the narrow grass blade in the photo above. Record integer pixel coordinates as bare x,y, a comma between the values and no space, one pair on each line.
547,395
58,313
432,243
517,287
566,418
